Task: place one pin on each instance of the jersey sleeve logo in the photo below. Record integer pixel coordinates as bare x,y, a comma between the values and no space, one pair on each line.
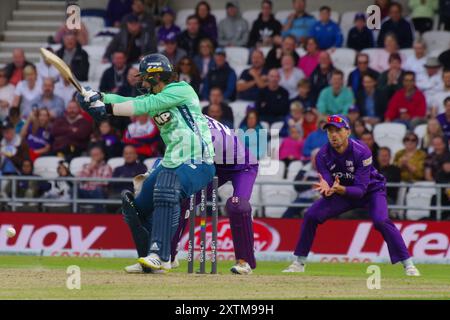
367,162
162,118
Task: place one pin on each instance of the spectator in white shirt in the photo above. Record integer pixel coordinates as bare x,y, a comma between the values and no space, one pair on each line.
65,90
437,102
6,95
27,90
430,82
380,62
46,70
290,75
415,62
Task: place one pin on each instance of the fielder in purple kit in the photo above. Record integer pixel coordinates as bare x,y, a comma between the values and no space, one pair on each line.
233,163
348,181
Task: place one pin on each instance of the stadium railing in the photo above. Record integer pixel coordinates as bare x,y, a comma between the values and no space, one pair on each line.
13,201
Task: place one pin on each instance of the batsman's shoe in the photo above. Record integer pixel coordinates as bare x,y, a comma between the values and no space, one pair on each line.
175,263
412,271
138,269
154,262
295,267
241,267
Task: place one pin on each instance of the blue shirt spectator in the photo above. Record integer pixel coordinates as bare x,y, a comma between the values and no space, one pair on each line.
49,100
360,37
299,23
222,76
327,32
252,80
316,139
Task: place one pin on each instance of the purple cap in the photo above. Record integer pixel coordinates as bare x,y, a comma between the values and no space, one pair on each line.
360,16
337,121
353,108
170,37
168,10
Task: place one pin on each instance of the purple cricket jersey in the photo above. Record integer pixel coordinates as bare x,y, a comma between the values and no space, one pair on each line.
231,154
353,167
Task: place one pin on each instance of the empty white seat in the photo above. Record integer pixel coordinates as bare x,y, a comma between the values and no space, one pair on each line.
421,131
93,25
101,40
372,53
347,22
181,17
277,125
300,51
149,162
239,69
343,58
408,52
96,71
276,194
265,50
293,169
282,15
418,196
220,14
265,125
46,166
250,16
239,108
237,56
116,162
77,164
334,15
390,135
95,53
437,40
271,169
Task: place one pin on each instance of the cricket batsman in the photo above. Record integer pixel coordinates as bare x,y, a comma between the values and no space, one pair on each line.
188,163
233,163
348,180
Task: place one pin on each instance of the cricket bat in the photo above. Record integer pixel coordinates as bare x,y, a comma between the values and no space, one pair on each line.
63,69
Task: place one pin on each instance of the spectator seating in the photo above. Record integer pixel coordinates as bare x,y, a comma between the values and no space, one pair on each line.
239,69
239,108
265,125
334,15
343,58
347,22
273,147
237,56
276,194
265,50
77,164
96,71
421,131
220,14
250,16
282,15
293,168
437,40
93,25
46,166
407,52
372,53
149,162
390,135
300,51
182,15
277,126
271,169
418,196
116,162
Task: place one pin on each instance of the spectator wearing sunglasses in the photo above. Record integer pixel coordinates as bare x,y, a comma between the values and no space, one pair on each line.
410,160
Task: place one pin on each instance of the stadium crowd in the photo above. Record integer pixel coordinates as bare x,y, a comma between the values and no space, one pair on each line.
40,117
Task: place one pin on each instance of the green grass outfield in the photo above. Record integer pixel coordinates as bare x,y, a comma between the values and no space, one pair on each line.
27,277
